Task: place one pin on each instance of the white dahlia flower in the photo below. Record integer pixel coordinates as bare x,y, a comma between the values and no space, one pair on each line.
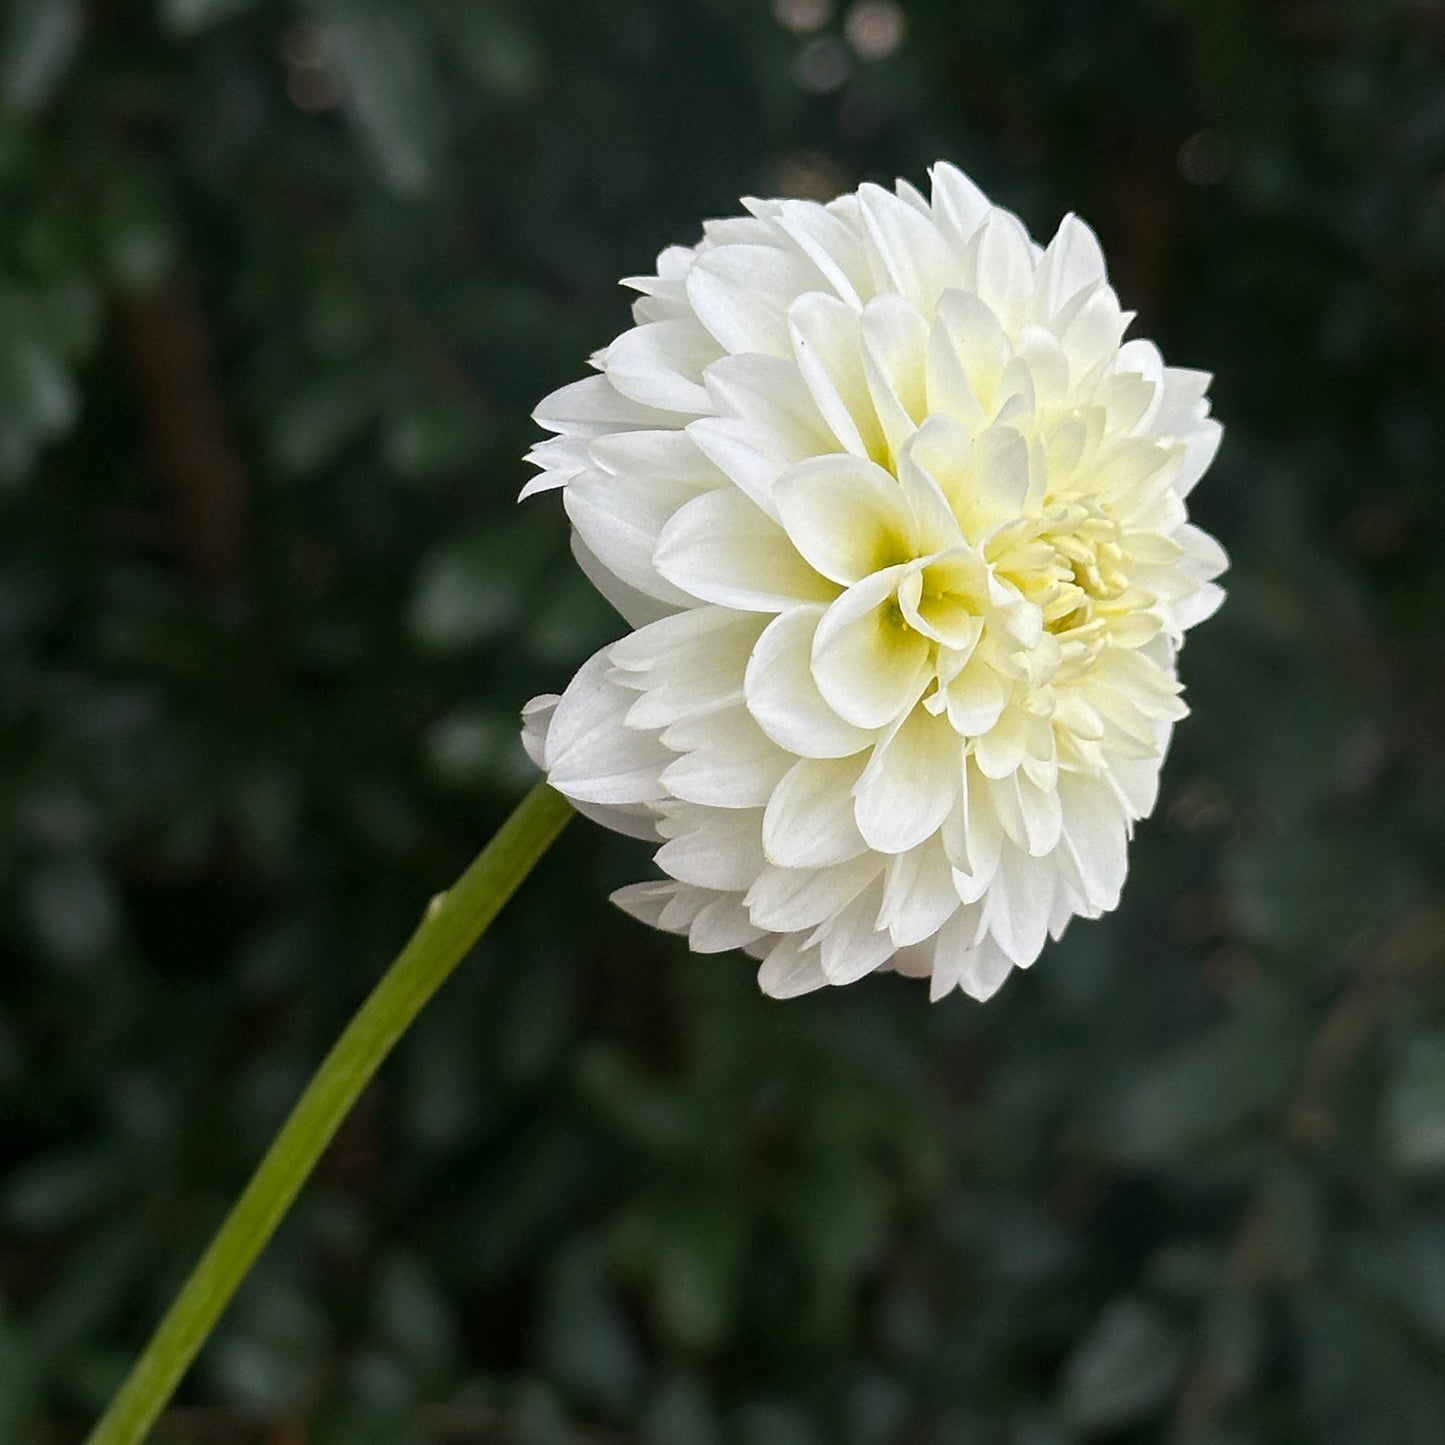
897,518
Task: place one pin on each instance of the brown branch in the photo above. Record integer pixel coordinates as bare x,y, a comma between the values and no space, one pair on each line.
192,446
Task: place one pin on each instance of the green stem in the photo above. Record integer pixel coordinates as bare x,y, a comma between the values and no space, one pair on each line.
453,922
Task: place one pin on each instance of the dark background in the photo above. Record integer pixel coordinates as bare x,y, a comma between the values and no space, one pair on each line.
279,286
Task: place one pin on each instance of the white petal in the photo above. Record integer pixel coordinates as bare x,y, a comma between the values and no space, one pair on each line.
985,481
976,698
1004,257
1002,749
978,967
748,458
846,516
967,326
767,422
726,761
635,608
1200,447
973,837
1048,365
959,204
809,819
668,454
786,900
721,925
1094,333
910,784
947,952
869,665
1018,904
768,394
918,896
711,847
1203,555
741,293
723,548
661,365
593,406
895,365
1135,781
591,754
783,697
827,342
1182,402
1095,834
1042,814
689,663
982,970
652,901
852,946
1071,262
560,459
905,249
831,244
935,527
1199,606
790,970
536,719
951,393
620,519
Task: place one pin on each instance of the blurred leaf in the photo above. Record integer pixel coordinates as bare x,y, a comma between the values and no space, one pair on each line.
73,910
694,1270
643,1110
539,1418
475,745
17,1381
1212,1086
585,1338
413,1317
679,1414
495,47
1123,1369
1363,1382
1233,1334
138,234
322,417
1419,1276
38,41
1415,1107
469,591
87,1288
435,434
770,1423
877,1409
190,17
270,1345
853,1218
38,398
389,87
58,1188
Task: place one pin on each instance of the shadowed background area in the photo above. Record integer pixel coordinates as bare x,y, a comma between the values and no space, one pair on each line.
279,286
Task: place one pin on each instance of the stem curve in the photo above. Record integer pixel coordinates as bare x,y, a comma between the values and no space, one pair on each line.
452,923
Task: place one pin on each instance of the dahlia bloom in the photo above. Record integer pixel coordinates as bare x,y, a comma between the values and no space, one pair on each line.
897,518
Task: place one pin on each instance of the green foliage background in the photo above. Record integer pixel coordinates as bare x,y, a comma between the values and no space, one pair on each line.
279,285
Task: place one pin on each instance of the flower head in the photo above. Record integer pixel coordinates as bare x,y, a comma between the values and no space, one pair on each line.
898,520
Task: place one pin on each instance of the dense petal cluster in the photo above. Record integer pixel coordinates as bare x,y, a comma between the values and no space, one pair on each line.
898,520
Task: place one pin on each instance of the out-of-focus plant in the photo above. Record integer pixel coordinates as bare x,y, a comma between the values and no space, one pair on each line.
266,607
